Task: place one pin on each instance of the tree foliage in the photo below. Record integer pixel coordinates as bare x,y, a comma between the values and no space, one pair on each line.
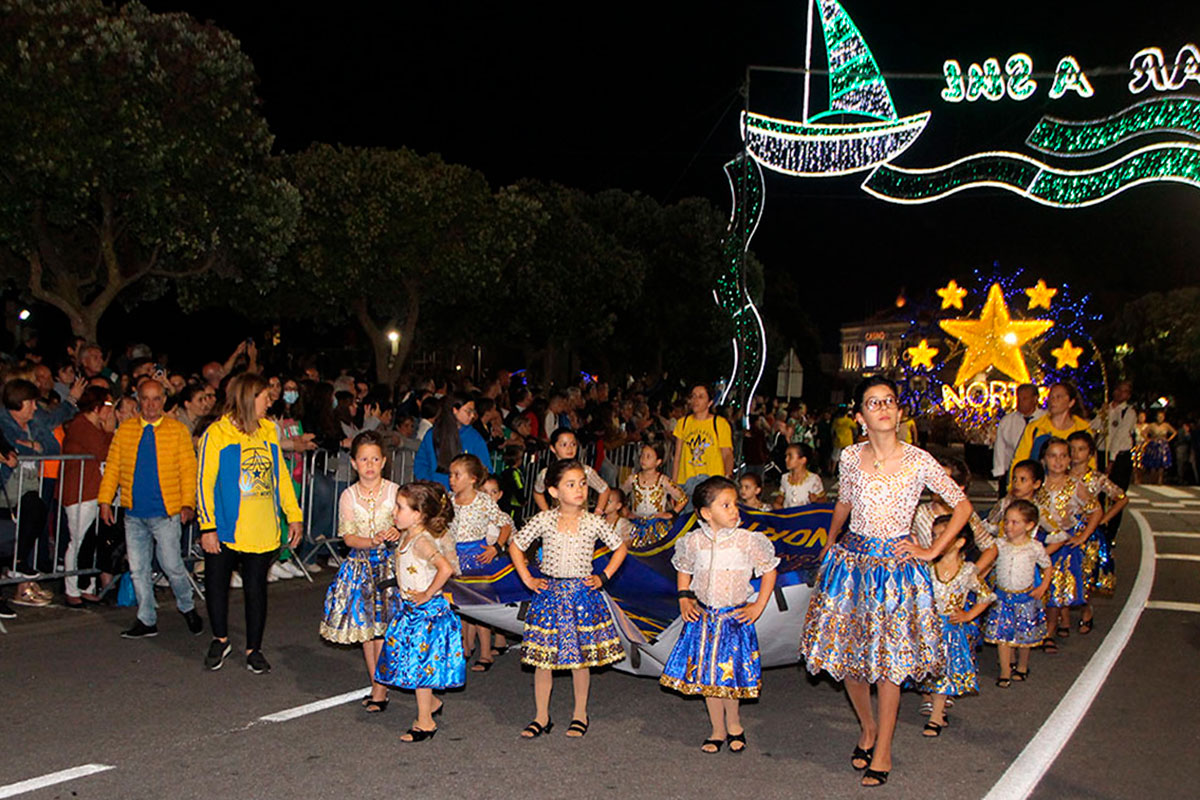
131,148
1156,340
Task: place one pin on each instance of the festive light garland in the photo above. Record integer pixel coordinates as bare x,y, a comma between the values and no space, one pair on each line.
794,148
995,339
1174,115
856,85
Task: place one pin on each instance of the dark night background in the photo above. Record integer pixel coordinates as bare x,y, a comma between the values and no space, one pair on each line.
645,97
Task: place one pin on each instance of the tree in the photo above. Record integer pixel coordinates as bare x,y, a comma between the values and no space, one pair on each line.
131,149
1156,341
388,234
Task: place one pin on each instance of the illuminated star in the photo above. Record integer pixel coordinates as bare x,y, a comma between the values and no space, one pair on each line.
952,295
922,355
1067,355
1040,295
726,668
995,339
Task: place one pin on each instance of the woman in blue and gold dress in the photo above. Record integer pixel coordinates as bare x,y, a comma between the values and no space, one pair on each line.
872,619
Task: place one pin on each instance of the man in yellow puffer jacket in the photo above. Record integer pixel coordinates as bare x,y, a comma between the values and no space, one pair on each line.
152,462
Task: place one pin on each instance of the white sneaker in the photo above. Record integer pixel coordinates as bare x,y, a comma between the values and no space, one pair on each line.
162,583
278,573
235,581
313,568
294,568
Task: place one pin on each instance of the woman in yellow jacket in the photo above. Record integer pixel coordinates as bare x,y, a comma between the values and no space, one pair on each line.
243,485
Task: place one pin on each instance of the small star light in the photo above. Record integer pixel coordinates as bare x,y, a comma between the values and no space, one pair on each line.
922,355
995,339
1067,355
1040,295
952,295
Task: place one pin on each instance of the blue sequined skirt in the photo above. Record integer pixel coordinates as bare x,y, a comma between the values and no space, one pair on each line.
960,675
569,626
648,530
422,648
872,616
715,656
355,611
1015,619
1098,564
1068,585
1157,455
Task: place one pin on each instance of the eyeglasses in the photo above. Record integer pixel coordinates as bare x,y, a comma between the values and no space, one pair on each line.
876,403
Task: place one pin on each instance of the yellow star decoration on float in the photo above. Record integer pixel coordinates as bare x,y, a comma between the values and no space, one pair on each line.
1040,295
1067,355
952,295
995,339
922,355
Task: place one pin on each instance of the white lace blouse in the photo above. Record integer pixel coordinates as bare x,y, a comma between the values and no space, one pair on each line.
1016,563
363,515
801,494
722,563
951,595
471,521
882,506
566,554
415,568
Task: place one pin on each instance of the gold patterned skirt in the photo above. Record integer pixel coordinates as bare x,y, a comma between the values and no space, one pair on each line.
569,626
715,656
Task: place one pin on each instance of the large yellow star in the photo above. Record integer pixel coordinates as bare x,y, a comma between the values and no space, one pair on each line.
952,295
726,668
1067,355
1040,295
995,339
922,355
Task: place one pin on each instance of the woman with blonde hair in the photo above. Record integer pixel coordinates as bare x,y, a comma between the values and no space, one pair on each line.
244,486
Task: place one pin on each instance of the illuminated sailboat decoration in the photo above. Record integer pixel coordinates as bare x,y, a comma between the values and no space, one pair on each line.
856,86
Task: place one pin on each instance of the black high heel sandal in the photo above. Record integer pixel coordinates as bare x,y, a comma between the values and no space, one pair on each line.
863,756
714,743
880,776
376,706
418,735
536,729
737,737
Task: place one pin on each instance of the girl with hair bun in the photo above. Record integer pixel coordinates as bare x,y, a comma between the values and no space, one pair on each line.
423,646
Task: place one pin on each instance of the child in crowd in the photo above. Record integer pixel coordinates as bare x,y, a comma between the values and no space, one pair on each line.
565,447
926,513
614,516
512,483
651,494
717,653
474,513
799,486
568,625
1097,551
961,597
1015,619
491,487
355,609
1069,514
750,489
423,647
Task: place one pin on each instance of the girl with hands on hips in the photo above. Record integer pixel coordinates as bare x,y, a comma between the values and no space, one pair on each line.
716,655
423,645
569,625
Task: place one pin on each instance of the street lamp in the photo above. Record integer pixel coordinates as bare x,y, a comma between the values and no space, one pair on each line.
24,314
393,336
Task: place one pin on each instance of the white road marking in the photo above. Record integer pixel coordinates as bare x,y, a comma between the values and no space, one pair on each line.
1171,605
1024,774
1178,534
1177,557
312,708
62,776
1166,491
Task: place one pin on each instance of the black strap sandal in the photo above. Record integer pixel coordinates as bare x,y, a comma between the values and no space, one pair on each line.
737,737
1049,646
418,735
578,728
932,730
1004,683
482,666
880,777
1085,627
862,755
499,651
1020,675
376,706
715,744
439,711
535,729
1063,632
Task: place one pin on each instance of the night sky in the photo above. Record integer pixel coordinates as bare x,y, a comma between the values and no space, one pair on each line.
645,97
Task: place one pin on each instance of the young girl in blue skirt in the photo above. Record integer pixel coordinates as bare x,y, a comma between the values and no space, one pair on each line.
569,625
1016,619
960,597
355,610
423,647
717,652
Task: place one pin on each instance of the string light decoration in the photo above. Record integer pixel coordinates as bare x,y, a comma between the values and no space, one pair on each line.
952,295
749,337
1040,295
856,85
974,393
1169,115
